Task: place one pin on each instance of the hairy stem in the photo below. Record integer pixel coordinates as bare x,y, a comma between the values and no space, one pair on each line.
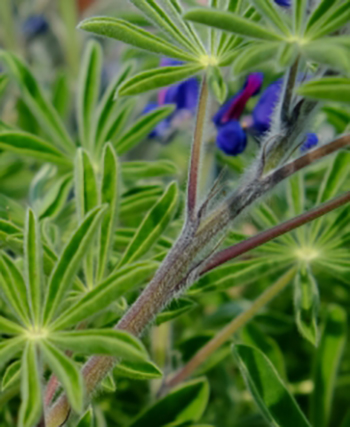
226,333
193,179
181,266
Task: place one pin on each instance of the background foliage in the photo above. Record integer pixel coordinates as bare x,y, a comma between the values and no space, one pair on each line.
91,203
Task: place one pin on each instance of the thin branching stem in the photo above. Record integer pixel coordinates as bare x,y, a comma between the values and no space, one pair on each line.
241,248
226,333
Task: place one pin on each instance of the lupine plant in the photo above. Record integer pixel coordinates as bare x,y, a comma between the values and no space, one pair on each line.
136,294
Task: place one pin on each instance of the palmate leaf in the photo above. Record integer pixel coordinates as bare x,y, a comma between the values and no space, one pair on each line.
253,336
55,199
157,78
10,348
69,262
141,128
109,194
136,170
101,341
31,407
268,9
11,375
335,18
165,22
319,12
176,308
153,226
306,303
87,419
110,115
131,34
232,22
8,327
299,14
67,373
329,52
88,91
253,56
14,289
36,101
140,370
29,145
85,184
33,266
335,89
327,360
105,293
268,390
185,403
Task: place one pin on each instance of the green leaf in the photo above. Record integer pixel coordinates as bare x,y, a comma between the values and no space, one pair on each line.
33,266
157,78
110,193
85,184
268,390
135,36
37,102
10,348
231,22
267,8
87,419
70,261
217,84
142,128
319,12
306,302
67,373
142,170
329,52
234,274
335,89
253,56
14,288
55,199
332,182
11,375
28,145
326,365
110,116
101,341
299,14
88,91
108,383
153,226
61,94
105,293
31,407
335,18
165,22
185,403
8,327
253,336
141,370
176,308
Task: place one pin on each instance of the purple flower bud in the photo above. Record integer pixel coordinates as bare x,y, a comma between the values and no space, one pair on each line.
263,111
233,109
310,141
284,3
35,25
231,138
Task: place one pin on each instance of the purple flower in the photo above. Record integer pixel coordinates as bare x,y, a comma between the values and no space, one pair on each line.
284,3
263,112
231,137
35,25
310,142
184,95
